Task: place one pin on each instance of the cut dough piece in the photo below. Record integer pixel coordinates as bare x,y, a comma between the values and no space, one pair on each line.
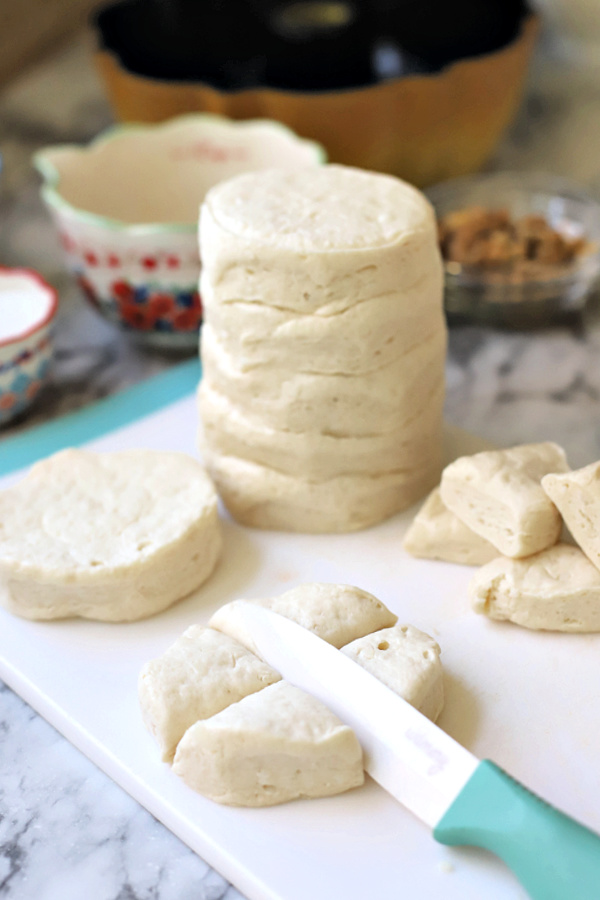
338,405
337,613
556,590
498,494
276,745
243,736
577,496
436,533
108,536
261,497
407,661
228,431
203,672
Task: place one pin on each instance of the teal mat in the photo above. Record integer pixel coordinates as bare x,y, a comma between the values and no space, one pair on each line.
99,418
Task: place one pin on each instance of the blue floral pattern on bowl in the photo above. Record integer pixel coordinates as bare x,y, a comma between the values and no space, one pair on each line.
19,392
26,348
174,310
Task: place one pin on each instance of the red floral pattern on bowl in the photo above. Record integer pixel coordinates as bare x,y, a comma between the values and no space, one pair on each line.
143,309
148,287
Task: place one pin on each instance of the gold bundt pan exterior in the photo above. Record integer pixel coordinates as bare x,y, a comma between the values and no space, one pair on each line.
423,128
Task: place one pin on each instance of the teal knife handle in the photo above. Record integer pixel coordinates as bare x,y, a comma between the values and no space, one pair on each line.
554,857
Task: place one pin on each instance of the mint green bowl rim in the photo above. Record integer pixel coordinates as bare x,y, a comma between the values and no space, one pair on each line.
53,198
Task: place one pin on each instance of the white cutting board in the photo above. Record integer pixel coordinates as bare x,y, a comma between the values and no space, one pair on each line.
528,700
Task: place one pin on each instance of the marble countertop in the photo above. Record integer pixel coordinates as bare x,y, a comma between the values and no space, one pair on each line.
66,831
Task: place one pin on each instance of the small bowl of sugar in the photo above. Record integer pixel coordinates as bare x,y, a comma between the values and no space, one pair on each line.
28,306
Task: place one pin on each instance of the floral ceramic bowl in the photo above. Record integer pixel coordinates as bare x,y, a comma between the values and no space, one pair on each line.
27,308
126,209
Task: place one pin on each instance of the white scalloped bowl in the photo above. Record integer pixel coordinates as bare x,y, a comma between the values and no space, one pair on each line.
126,209
27,308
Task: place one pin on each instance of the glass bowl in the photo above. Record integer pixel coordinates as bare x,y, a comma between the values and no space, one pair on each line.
479,295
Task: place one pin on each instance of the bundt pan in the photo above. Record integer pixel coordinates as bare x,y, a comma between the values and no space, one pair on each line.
428,106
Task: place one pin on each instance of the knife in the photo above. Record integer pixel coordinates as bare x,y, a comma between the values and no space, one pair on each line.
464,800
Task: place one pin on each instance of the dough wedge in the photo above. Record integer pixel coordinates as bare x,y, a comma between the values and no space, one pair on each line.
577,497
201,673
337,613
407,661
436,533
498,494
278,745
555,590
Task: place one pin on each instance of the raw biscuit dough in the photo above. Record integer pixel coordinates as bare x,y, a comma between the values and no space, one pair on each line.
368,336
407,661
315,240
436,533
277,745
331,404
319,457
577,496
109,536
499,496
337,613
314,281
261,497
203,672
555,590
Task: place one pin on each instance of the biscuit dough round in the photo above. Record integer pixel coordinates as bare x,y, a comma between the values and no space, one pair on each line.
319,457
261,497
340,405
328,208
315,240
369,335
108,536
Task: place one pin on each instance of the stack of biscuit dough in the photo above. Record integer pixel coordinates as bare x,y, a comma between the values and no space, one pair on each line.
323,347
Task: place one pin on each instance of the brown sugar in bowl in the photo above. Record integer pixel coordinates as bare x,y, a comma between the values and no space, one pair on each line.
423,128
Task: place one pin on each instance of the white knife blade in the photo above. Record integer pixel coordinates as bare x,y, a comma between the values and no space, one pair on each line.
409,756
463,800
